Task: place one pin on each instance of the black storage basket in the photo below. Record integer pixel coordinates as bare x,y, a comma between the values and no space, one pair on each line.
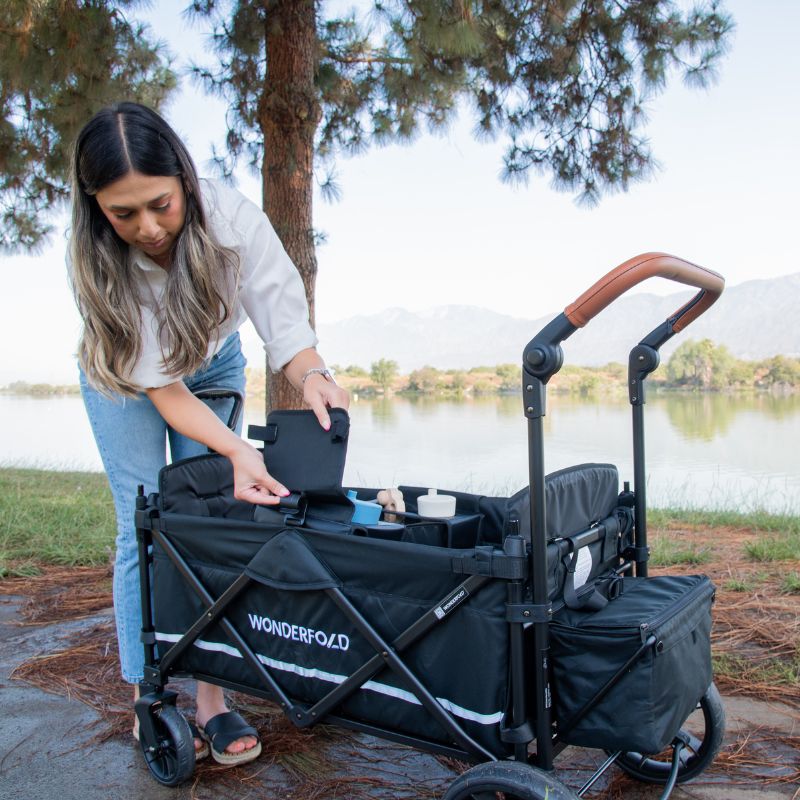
297,632
645,710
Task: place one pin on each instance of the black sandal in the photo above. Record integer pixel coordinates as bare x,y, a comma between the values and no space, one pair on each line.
225,728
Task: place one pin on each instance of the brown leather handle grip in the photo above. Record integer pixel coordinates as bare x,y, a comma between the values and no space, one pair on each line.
640,268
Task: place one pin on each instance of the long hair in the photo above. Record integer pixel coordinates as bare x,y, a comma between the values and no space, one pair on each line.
201,281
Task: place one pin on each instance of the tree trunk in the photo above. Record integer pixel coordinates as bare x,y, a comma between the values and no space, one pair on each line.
288,116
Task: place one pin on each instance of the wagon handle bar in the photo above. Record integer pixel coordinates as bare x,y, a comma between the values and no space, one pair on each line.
640,268
543,356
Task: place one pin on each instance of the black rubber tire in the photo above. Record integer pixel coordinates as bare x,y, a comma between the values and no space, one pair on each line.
515,780
170,759
703,748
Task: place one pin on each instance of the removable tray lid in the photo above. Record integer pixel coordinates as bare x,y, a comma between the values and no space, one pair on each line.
301,454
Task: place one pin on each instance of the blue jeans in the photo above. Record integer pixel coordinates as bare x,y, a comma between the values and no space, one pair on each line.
132,439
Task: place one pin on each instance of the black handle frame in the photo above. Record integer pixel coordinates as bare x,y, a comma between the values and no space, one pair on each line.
223,393
541,359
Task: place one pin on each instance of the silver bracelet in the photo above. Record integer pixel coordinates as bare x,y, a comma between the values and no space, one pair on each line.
327,374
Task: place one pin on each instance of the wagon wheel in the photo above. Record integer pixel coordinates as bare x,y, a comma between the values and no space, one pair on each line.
170,758
703,731
509,780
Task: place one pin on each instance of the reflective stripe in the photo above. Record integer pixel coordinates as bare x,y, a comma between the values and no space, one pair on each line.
216,647
332,677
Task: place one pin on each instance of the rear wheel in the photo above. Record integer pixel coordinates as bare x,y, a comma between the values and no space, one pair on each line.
703,732
170,758
507,780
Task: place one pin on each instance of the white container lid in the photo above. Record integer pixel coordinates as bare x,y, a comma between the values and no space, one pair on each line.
434,504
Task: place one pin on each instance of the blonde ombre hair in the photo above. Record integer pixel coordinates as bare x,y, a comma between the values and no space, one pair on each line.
203,274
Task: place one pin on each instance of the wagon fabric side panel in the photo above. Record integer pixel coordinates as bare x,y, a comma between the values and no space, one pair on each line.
309,645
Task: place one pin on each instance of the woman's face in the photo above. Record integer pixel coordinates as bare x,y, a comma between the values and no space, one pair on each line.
146,211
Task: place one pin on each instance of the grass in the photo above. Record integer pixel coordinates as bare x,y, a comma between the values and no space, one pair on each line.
791,583
777,536
751,520
666,551
748,583
59,518
739,585
774,547
780,672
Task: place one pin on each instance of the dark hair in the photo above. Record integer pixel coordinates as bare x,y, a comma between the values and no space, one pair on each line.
118,140
129,137
125,137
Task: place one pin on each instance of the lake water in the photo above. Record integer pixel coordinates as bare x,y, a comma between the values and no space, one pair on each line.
709,451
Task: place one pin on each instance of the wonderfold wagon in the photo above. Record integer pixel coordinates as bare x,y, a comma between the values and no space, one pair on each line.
498,635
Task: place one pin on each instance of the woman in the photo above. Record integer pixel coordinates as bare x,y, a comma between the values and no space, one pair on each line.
165,268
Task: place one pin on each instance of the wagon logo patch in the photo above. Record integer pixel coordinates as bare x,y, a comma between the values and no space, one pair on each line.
299,633
454,600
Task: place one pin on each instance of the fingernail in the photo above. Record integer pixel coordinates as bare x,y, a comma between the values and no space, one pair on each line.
284,492
326,425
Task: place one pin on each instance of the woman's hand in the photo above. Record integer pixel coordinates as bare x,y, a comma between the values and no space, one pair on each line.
193,418
321,394
251,481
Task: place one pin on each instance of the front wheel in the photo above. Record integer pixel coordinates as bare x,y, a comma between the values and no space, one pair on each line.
170,758
509,780
703,730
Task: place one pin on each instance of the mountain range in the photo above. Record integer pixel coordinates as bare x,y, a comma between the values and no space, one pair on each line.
754,320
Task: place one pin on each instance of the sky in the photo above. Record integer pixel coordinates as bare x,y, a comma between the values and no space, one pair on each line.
430,223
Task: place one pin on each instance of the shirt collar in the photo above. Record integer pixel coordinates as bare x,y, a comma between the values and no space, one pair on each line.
137,258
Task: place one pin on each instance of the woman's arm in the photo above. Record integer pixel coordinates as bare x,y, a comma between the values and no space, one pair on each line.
189,416
183,412
319,392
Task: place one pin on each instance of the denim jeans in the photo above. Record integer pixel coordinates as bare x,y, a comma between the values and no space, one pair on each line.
132,439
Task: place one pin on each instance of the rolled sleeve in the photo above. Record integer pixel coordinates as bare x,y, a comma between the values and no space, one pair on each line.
281,350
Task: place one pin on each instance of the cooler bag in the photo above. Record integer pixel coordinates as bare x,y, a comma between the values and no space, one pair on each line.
660,689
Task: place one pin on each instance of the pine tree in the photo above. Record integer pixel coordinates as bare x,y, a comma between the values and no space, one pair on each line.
60,61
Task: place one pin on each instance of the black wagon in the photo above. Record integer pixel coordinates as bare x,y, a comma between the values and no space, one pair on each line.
499,635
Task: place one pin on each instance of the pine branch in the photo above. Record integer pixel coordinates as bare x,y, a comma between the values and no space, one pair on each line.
368,59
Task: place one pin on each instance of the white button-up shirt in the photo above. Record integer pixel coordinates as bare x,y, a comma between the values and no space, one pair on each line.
271,293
